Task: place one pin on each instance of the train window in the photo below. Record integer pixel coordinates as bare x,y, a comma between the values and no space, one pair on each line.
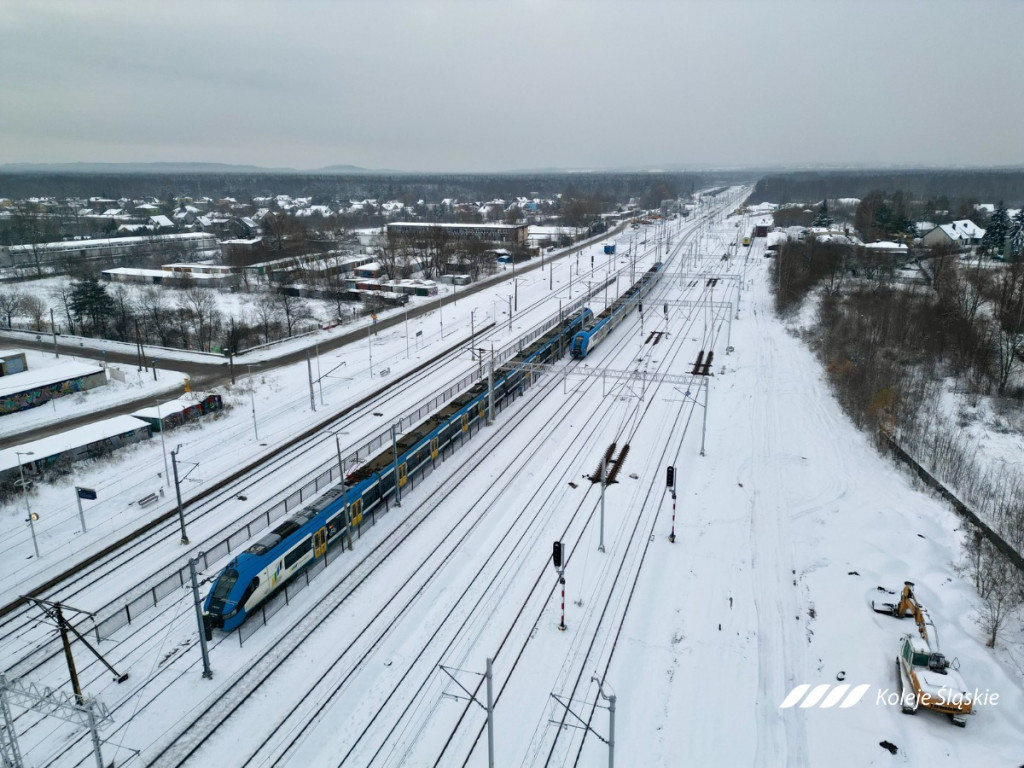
298,553
224,584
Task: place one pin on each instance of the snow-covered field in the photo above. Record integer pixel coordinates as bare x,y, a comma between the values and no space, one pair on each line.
784,528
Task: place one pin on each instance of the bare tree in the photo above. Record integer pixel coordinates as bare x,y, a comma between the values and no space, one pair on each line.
124,320
200,308
63,294
11,303
999,584
1008,323
293,309
157,312
267,313
35,309
438,246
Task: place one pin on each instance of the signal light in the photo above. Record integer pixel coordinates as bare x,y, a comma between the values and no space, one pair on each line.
670,477
556,554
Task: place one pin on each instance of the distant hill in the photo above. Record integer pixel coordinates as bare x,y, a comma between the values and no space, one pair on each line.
144,168
184,168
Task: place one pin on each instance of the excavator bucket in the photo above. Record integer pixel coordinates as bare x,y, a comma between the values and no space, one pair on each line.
905,607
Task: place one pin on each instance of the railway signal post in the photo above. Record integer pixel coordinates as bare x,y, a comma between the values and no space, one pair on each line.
604,483
670,481
556,558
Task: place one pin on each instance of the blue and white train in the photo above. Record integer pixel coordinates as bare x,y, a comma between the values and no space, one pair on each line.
591,334
255,574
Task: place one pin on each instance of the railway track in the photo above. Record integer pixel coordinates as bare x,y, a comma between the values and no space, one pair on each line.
352,665
166,680
134,547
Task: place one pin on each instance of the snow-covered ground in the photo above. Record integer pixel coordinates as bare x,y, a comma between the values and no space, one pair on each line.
784,529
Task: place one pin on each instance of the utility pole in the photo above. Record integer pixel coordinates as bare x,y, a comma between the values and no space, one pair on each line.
394,449
369,345
24,490
489,677
177,491
207,672
252,400
344,495
610,698
53,328
55,612
309,370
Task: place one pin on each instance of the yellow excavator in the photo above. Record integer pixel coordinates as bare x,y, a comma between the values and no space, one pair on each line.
907,606
927,678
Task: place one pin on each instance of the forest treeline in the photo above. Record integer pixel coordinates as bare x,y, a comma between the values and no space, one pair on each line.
324,188
978,185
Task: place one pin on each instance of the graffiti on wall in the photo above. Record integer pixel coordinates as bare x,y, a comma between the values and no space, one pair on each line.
40,396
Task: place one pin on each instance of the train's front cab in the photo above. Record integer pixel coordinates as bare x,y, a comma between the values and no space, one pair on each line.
578,348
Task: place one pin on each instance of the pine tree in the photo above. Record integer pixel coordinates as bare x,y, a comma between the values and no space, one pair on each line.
1016,235
823,219
996,231
91,305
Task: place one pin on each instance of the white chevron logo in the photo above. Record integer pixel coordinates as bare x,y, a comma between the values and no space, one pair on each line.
816,696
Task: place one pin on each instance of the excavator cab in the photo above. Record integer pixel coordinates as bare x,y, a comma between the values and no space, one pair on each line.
938,663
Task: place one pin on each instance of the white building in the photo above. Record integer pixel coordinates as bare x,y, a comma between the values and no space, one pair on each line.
963,234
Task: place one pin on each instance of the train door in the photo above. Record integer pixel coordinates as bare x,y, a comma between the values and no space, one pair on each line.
320,542
482,410
465,422
433,448
402,473
356,510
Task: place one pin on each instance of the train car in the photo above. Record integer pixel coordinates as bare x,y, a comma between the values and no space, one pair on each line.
746,241
264,567
587,338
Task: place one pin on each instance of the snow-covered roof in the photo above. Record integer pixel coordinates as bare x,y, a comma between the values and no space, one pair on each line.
72,438
161,221
888,246
962,229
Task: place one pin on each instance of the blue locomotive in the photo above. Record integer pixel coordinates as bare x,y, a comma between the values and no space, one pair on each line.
255,574
588,337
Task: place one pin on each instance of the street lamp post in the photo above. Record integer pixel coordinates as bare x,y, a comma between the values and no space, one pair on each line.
24,489
177,491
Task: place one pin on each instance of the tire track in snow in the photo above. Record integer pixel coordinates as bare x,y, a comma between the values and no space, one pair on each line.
780,638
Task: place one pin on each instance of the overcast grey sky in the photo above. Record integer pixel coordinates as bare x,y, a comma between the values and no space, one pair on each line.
481,85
